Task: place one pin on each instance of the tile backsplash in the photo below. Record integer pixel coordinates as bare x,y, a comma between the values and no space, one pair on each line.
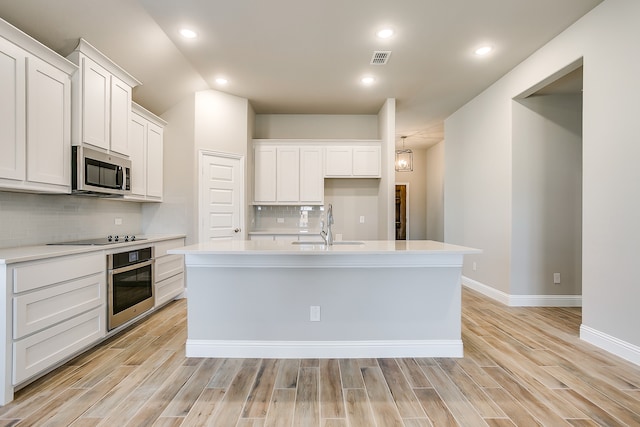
33,219
267,218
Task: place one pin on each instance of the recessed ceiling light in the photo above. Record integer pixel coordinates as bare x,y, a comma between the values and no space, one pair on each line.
483,50
188,34
222,81
385,33
367,80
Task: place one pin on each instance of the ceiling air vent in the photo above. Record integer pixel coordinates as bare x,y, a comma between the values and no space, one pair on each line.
380,57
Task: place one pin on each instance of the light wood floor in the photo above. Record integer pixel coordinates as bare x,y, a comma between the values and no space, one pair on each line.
522,366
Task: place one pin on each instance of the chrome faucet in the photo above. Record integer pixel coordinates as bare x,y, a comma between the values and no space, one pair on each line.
327,235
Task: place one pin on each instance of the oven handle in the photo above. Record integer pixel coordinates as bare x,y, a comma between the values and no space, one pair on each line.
131,267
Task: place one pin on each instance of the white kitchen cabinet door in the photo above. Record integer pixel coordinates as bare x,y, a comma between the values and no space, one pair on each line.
288,174
146,155
119,116
366,161
48,125
137,155
38,352
265,174
12,111
155,168
96,89
311,175
339,161
353,161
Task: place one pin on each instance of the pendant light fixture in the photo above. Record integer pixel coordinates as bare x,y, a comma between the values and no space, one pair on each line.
404,158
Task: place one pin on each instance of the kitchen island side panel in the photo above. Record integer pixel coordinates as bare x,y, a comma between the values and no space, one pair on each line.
357,305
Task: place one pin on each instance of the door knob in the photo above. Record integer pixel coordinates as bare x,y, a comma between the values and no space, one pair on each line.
237,230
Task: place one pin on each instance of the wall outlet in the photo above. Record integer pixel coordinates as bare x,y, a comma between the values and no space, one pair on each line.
314,313
556,278
117,221
280,220
338,237
361,219
475,266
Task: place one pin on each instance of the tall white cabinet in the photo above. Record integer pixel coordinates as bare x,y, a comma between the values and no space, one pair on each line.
35,106
101,101
146,153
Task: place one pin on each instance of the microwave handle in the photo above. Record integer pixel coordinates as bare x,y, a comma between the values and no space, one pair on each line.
119,177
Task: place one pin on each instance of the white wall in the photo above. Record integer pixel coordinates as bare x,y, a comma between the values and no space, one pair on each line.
209,120
417,195
352,198
478,176
435,192
316,126
387,193
178,212
547,195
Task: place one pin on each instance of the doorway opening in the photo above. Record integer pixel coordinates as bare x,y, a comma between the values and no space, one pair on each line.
547,189
402,211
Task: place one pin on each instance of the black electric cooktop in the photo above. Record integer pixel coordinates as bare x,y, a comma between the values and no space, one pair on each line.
111,240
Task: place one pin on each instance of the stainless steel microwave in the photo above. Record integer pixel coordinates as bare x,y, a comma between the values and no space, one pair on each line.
100,174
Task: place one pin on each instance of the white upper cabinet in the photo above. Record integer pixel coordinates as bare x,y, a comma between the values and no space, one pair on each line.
102,101
350,160
12,111
265,164
288,173
35,106
311,175
146,153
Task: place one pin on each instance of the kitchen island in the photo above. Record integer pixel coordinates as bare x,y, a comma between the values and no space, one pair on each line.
274,299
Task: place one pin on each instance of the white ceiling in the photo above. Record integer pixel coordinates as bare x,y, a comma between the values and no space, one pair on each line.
307,57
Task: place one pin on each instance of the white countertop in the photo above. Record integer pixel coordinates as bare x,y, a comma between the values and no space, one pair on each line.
31,253
268,247
287,231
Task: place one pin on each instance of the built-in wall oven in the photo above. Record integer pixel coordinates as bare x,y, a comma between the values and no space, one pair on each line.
130,285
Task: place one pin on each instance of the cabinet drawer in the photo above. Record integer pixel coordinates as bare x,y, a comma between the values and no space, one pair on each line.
43,350
169,289
37,275
161,248
168,266
41,309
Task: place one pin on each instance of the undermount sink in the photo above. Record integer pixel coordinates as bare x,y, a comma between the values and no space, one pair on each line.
341,242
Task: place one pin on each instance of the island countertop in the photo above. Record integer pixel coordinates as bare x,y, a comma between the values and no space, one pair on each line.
367,247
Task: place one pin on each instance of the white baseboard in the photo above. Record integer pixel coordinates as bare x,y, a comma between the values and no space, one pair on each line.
611,344
323,349
523,300
485,290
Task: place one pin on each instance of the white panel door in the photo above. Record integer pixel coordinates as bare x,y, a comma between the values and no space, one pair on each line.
221,197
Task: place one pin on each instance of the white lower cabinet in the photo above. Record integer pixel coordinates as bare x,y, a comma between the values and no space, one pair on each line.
58,310
169,271
46,348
